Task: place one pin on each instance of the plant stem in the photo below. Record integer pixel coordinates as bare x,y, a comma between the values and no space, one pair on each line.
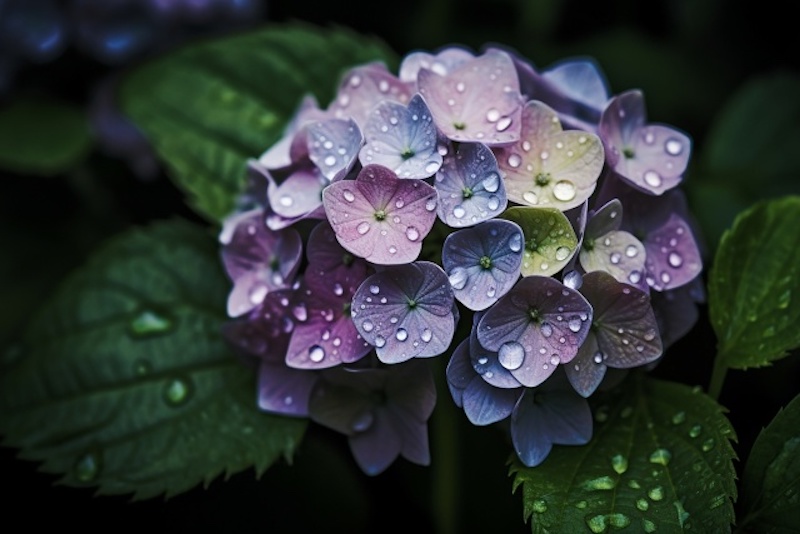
445,459
717,378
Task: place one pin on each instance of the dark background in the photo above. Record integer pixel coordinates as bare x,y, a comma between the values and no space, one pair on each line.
687,58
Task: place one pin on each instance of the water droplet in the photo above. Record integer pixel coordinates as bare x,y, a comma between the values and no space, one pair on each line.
316,354
695,431
562,253
564,190
492,115
652,178
412,233
783,300
678,418
362,421
399,203
286,201
348,195
600,483
515,242
575,324
459,212
330,160
619,463
530,197
368,326
511,355
708,445
87,467
150,323
514,161
503,124
660,456
547,329
300,312
539,506
458,278
656,494
177,391
673,146
631,251
598,357
675,259
363,227
401,334
648,526
615,257
430,205
338,290
258,293
426,335
597,523
642,504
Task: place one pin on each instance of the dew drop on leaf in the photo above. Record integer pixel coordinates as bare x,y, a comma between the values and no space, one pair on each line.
150,323
177,391
87,467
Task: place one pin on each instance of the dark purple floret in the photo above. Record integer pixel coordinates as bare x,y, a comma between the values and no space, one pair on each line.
552,414
650,157
624,331
536,326
406,311
259,260
483,262
469,186
383,412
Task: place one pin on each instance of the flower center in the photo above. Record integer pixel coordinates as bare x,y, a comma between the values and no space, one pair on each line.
542,179
486,262
380,215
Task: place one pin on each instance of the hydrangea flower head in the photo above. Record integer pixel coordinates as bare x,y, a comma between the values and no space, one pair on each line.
468,184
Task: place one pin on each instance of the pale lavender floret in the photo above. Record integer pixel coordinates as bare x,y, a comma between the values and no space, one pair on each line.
549,166
259,260
293,146
624,332
576,89
607,248
552,414
535,327
379,216
478,101
404,139
483,262
406,311
650,157
441,63
383,412
470,186
362,88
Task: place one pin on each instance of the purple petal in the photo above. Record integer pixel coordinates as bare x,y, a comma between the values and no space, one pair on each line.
535,327
379,216
605,219
326,255
298,195
469,186
586,371
283,390
405,311
333,146
624,322
548,166
377,447
259,260
459,371
485,404
487,364
285,152
651,157
363,88
546,416
478,101
483,262
402,139
618,253
673,258
441,63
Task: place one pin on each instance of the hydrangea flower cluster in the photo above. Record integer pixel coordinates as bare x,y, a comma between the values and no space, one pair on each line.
528,211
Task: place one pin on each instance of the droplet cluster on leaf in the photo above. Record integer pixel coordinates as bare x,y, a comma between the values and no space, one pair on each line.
475,187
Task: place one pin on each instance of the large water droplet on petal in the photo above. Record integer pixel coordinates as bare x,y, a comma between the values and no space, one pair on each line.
511,355
653,179
401,334
458,278
316,354
348,195
673,146
564,190
363,227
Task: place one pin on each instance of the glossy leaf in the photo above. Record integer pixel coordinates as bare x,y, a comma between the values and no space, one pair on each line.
660,460
771,481
754,285
209,107
39,135
124,381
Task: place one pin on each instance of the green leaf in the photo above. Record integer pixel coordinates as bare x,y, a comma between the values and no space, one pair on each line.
208,108
124,382
40,135
660,460
749,153
754,285
771,481
550,240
